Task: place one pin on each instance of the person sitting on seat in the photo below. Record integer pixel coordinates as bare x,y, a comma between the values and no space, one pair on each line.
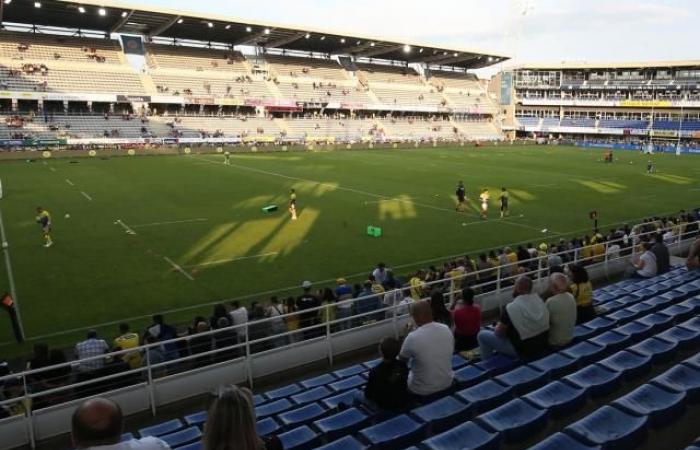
387,383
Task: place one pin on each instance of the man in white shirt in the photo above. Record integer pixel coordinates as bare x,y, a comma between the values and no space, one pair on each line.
428,349
562,311
98,424
239,316
381,274
646,266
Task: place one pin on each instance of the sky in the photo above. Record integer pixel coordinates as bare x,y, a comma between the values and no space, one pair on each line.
529,30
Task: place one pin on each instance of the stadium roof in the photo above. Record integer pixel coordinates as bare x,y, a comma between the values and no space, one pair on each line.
607,65
113,17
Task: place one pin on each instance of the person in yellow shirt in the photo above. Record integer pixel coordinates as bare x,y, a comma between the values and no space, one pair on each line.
43,218
582,290
293,204
292,321
417,284
126,341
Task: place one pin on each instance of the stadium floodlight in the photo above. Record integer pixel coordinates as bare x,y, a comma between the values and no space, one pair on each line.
407,48
456,55
228,27
7,2
267,31
81,10
358,42
102,12
342,40
444,53
248,29
210,25
308,35
490,58
323,38
420,51
124,14
37,4
180,20
372,44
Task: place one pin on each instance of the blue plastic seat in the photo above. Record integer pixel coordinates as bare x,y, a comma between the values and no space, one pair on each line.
555,365
693,361
562,441
515,420
681,378
196,419
692,303
312,395
497,364
442,414
613,305
283,392
258,400
635,330
692,324
394,434
582,332
469,375
346,443
661,406
181,437
160,429
623,315
321,380
301,416
523,379
346,399
678,312
611,340
561,399
302,438
628,299
467,436
660,351
347,383
272,408
584,352
485,395
350,371
610,428
596,380
657,303
689,289
685,337
641,308
127,437
267,426
458,361
630,364
372,364
600,324
674,296
345,422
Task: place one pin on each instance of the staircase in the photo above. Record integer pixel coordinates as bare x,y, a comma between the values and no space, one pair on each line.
147,82
281,124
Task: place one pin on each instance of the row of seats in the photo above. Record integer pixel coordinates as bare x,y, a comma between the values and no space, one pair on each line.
507,401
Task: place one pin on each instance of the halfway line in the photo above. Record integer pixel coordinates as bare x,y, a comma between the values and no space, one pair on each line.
125,226
178,268
70,183
172,222
86,195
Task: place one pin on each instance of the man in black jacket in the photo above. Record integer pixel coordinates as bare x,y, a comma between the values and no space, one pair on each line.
663,258
387,382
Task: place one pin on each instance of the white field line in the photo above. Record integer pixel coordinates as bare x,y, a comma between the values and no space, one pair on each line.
178,268
52,169
10,276
70,183
171,222
85,194
225,261
125,226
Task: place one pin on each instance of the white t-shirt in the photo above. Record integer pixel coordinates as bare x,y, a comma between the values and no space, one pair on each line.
562,318
380,275
429,352
239,317
649,269
147,443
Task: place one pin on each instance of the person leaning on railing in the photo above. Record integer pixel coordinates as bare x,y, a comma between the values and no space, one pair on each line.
582,290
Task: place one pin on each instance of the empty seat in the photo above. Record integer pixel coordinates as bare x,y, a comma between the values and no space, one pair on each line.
562,441
485,395
267,426
272,408
345,422
623,315
301,416
467,436
635,330
584,352
127,437
345,399
613,305
469,375
555,365
600,324
282,392
394,434
582,332
181,437
692,303
522,379
685,337
640,308
442,414
458,361
162,428
346,443
660,351
515,420
596,380
657,303
610,428
192,446
611,340
258,399
657,321
318,381
627,300
372,364
497,364
302,438
630,364
674,296
196,419
678,312
692,324
693,361
312,395
350,371
347,383
681,378
661,406
561,399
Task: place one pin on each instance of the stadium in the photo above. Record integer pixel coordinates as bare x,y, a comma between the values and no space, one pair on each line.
210,224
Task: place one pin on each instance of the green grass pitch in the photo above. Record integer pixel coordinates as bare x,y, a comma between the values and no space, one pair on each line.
200,215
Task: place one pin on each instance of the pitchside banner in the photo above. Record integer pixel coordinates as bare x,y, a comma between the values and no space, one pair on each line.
506,87
133,45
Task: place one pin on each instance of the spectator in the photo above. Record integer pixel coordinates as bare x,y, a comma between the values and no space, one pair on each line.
154,354
428,349
259,329
291,319
164,332
219,312
344,309
57,377
126,341
440,312
582,290
98,424
523,327
467,321
307,302
417,283
392,297
646,266
224,338
381,274
239,317
327,313
367,302
91,346
387,382
660,251
200,343
231,423
693,259
562,311
275,311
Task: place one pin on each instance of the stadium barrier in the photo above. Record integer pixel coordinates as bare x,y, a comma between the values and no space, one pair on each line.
45,412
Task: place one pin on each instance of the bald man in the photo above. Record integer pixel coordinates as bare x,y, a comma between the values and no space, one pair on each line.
98,424
562,311
428,350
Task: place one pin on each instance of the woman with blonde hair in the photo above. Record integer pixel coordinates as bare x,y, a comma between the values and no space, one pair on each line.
231,423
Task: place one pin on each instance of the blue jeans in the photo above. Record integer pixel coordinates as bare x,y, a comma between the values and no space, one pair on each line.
489,342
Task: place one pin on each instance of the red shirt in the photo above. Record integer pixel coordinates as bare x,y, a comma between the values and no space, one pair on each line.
467,320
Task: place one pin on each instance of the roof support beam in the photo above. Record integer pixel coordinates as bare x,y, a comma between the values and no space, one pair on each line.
251,38
285,40
117,26
452,60
354,48
163,28
378,51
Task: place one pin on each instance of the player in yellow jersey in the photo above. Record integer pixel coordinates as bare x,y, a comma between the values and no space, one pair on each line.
504,202
484,198
293,204
43,218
